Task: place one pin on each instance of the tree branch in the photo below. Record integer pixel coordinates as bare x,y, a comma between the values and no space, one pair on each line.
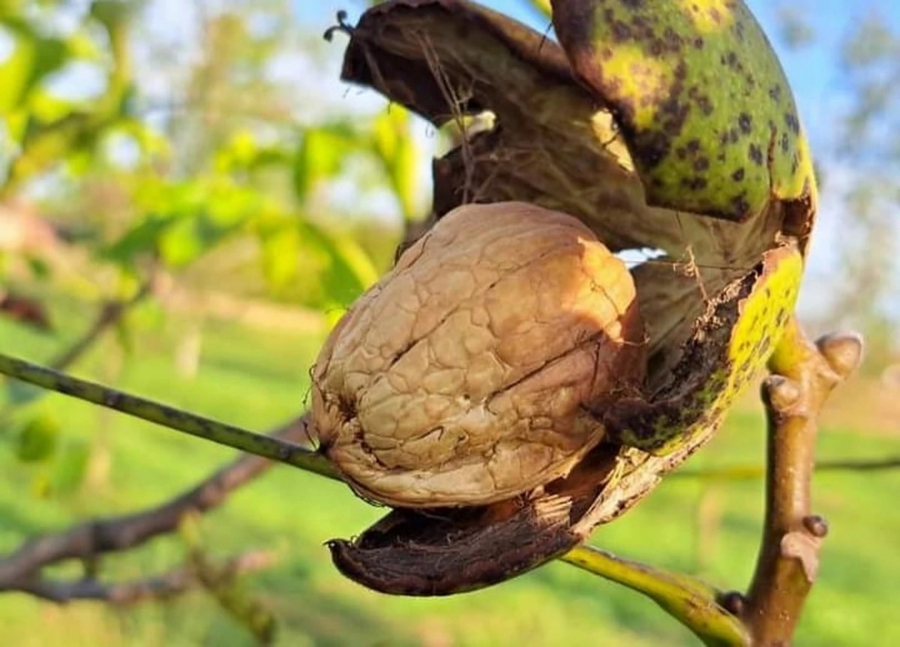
21,569
152,588
803,376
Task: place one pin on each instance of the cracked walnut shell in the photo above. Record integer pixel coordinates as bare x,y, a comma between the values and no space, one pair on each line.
480,366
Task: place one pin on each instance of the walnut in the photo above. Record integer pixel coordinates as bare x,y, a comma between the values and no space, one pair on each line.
478,368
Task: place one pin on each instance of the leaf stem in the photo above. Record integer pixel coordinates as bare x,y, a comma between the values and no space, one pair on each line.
218,432
692,602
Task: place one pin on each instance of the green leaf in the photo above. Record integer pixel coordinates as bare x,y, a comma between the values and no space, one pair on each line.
37,439
185,220
16,123
189,238
344,269
39,267
46,108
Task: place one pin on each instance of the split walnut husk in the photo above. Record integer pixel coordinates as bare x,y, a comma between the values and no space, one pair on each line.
659,125
480,367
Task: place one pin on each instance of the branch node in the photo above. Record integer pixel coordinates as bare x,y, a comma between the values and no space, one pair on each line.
816,525
734,602
843,351
780,393
803,547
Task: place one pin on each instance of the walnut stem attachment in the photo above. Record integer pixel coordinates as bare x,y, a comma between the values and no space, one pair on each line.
691,601
803,374
218,432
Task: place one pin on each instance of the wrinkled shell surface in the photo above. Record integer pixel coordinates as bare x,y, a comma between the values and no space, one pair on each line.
476,369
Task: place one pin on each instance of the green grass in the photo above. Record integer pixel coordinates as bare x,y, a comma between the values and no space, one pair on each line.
258,379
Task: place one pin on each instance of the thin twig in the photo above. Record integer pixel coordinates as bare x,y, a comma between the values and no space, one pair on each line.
218,432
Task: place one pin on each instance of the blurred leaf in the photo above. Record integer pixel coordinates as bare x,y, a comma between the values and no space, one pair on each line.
16,122
37,439
239,152
111,13
543,6
140,240
243,153
321,155
25,310
124,335
46,108
32,60
304,262
83,47
14,75
344,268
795,29
396,148
189,238
280,254
38,266
70,467
10,10
186,219
357,260
20,393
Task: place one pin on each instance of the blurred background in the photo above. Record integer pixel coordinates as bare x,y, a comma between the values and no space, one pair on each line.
189,198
